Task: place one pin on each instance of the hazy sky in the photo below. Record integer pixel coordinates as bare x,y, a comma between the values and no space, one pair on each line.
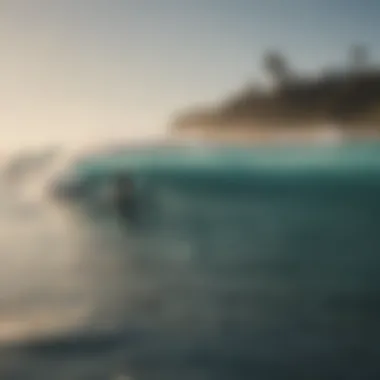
85,69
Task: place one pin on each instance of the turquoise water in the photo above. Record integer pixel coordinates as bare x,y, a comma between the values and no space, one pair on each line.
203,166
246,264
172,178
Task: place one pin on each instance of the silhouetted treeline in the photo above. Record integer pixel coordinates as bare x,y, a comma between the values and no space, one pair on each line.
348,96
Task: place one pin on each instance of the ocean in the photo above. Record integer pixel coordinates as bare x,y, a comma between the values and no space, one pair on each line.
270,277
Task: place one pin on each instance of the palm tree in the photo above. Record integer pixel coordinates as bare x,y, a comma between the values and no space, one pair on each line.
276,65
358,57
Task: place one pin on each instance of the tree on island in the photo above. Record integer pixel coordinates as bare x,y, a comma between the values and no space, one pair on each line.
276,66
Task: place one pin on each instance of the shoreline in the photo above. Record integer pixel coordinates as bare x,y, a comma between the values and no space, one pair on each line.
255,134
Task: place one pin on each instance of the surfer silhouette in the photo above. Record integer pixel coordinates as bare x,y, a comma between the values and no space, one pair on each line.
125,198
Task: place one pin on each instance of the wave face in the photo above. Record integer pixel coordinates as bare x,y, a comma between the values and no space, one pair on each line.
269,276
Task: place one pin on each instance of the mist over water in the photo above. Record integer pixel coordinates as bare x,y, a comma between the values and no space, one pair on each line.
235,282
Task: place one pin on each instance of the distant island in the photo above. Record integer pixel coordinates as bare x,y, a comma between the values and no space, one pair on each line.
346,99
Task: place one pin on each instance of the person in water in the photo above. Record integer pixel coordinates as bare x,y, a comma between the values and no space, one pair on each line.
125,198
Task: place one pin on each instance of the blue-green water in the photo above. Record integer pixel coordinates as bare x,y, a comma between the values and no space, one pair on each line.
246,264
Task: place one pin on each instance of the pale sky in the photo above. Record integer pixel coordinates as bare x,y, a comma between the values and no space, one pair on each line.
86,69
